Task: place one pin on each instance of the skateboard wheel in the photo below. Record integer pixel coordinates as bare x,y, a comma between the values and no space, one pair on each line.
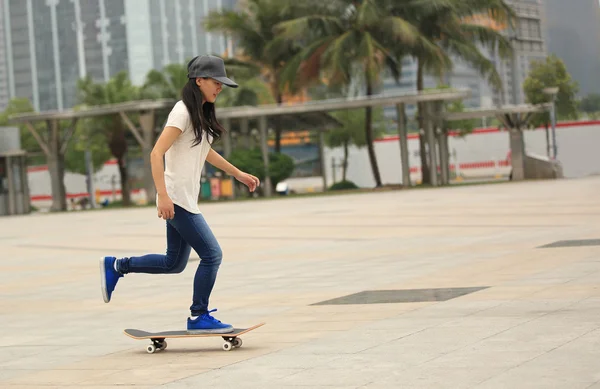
227,346
237,342
151,349
162,345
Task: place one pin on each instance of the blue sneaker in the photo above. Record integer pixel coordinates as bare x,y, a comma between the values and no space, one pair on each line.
206,324
108,277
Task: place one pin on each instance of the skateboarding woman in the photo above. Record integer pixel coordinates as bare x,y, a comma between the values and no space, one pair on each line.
185,144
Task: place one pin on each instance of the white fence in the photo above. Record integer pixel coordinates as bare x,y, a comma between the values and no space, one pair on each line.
481,154
484,153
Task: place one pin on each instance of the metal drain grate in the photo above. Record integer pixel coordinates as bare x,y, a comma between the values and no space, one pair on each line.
572,243
401,296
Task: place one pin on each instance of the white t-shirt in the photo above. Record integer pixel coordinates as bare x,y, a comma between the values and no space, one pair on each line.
184,163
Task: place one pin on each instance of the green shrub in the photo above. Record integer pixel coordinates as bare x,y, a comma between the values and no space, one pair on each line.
343,185
281,166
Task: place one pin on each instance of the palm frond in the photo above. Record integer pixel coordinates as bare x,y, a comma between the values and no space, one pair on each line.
473,56
395,28
294,73
371,63
301,27
488,37
238,25
498,11
425,7
369,14
338,56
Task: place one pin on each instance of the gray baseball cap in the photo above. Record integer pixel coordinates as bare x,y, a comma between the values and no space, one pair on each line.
209,66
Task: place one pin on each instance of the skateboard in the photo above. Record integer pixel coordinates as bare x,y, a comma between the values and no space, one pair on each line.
158,342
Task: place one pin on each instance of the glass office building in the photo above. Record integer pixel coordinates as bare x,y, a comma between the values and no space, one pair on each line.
46,46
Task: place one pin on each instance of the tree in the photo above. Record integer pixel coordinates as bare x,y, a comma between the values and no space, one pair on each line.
28,142
281,166
74,152
590,104
551,73
465,126
349,40
86,139
261,49
165,84
117,90
252,89
461,29
351,132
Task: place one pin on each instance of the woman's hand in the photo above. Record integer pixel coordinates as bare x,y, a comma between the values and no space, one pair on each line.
249,180
166,209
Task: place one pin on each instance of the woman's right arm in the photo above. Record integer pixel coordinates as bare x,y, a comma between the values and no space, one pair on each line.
164,142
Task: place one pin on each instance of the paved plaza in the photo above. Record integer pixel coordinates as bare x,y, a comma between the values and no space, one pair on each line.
491,286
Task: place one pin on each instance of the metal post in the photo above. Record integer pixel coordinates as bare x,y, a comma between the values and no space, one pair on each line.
442,139
26,194
333,166
403,136
553,120
90,177
262,124
12,209
552,92
430,136
322,159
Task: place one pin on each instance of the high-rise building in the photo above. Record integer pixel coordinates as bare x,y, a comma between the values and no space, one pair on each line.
50,44
4,92
529,44
573,31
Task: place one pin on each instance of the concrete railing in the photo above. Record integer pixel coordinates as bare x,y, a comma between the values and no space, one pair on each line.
542,167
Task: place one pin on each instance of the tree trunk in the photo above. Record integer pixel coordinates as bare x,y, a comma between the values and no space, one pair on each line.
118,148
125,192
369,138
425,176
345,163
278,128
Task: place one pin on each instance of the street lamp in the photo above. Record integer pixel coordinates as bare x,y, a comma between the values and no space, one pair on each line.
552,92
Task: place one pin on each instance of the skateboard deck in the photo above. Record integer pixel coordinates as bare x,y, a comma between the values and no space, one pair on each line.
158,342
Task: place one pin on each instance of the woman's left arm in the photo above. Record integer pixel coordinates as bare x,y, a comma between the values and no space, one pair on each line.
221,163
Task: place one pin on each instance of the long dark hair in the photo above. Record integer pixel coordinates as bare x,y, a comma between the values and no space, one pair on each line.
202,115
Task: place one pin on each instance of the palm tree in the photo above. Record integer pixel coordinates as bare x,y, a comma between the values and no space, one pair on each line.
351,132
117,90
345,39
261,48
462,29
166,84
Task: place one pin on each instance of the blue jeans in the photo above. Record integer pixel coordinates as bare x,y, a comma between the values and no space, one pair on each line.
185,231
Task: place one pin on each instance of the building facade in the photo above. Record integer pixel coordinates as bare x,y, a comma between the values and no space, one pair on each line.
529,43
4,92
49,45
528,40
